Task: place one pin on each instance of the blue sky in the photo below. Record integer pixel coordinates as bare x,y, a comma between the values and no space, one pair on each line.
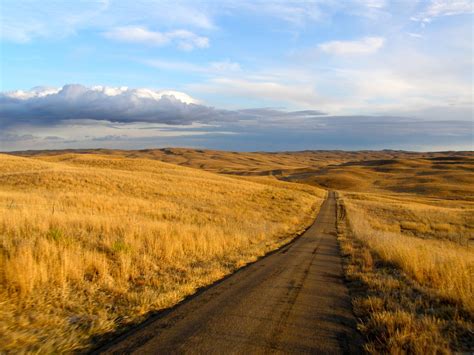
372,74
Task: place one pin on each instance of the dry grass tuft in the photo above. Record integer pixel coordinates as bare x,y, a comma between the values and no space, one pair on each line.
90,243
405,333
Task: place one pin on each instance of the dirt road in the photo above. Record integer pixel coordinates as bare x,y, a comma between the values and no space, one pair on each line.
293,301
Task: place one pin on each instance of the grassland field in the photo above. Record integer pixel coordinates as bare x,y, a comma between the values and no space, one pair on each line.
411,264
93,240
91,243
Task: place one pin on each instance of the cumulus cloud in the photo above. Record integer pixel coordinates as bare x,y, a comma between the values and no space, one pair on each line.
184,39
47,106
366,45
101,103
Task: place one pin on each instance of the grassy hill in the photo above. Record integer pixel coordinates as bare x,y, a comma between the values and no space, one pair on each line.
438,174
90,243
449,176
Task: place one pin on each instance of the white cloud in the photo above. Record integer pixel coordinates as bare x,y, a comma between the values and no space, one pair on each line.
377,83
439,8
303,13
377,4
298,94
39,91
297,13
449,8
22,22
367,45
180,13
403,78
117,104
137,34
185,40
225,66
77,91
123,105
174,65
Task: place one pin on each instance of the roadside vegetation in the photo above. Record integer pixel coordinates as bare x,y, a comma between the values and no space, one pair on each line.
410,261
92,243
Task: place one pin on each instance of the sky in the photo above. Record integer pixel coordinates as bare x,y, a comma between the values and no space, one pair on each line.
237,75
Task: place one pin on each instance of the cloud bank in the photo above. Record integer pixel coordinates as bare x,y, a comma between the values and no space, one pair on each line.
46,106
49,105
76,116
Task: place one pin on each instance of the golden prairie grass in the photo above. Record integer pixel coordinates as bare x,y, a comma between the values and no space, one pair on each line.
90,243
421,217
420,281
446,175
247,163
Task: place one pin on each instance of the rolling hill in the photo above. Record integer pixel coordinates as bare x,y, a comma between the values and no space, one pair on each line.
437,174
91,243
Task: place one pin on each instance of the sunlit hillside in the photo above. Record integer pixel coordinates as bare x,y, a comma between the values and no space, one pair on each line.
90,243
438,174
